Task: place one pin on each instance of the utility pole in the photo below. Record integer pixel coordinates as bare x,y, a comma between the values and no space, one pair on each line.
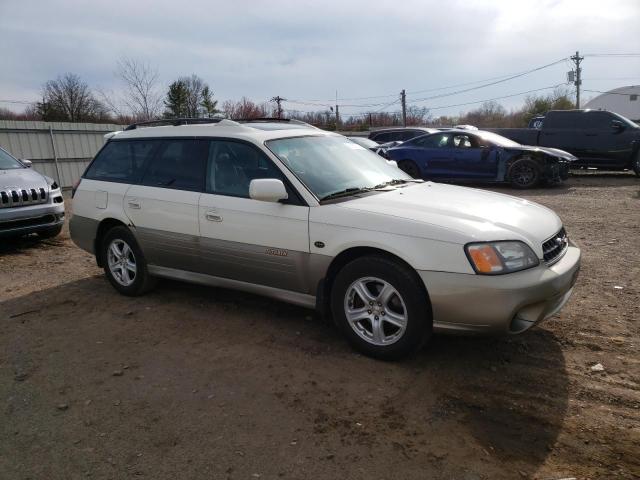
577,59
337,112
370,120
403,97
278,99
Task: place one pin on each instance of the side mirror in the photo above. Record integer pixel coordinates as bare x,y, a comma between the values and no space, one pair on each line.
617,125
26,163
267,190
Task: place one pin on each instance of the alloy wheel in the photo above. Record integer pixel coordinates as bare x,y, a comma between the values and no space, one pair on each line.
376,311
121,262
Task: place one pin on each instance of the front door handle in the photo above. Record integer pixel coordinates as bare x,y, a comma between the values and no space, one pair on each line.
134,204
213,216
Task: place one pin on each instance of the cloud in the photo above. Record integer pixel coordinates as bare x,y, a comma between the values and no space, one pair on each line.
307,49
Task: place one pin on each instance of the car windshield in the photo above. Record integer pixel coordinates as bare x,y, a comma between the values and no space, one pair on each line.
625,120
8,162
331,164
498,140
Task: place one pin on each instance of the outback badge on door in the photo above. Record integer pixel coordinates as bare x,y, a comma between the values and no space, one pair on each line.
277,252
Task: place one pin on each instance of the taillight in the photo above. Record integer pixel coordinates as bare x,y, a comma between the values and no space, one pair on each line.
75,186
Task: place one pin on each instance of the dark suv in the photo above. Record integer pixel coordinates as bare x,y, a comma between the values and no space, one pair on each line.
401,134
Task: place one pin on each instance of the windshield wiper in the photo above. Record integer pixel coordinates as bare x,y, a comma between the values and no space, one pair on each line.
398,181
346,192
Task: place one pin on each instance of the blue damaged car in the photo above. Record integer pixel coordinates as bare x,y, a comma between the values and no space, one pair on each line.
458,155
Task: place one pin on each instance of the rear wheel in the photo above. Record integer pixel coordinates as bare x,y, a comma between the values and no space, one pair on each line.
380,308
124,263
524,173
410,168
636,164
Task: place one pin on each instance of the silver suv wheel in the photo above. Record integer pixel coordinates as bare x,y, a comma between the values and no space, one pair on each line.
121,262
375,311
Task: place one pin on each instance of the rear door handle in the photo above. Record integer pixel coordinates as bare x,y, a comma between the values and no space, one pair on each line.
134,204
213,216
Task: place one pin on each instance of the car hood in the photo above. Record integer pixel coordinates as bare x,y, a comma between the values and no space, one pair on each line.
21,177
554,152
459,214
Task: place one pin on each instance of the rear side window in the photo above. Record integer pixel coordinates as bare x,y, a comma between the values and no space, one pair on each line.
562,120
121,161
178,164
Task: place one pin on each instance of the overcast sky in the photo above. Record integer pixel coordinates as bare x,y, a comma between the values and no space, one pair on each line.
306,50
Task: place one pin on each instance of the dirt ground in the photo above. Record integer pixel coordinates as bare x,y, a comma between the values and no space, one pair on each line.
191,382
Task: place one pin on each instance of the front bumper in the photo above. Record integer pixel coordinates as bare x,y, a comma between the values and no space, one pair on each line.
30,219
510,303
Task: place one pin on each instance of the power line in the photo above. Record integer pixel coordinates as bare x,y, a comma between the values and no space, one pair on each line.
457,92
496,98
17,101
493,80
612,55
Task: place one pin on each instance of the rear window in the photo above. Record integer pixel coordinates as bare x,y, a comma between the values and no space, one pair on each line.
121,161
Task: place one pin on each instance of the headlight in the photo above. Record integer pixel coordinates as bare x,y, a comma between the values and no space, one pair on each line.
495,258
53,185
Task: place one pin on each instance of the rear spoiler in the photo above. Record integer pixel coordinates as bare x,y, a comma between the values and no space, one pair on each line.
110,135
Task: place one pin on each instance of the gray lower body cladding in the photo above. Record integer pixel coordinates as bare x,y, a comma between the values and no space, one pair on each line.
242,262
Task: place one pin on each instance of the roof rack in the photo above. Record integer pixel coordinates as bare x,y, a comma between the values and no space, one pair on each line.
173,122
271,119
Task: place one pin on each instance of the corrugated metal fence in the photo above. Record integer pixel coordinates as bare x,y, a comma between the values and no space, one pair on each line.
58,149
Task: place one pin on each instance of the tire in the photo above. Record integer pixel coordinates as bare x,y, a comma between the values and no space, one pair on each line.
636,164
410,168
52,232
395,326
524,173
124,263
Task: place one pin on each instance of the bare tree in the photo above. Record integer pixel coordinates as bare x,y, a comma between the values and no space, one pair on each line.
244,108
141,95
68,98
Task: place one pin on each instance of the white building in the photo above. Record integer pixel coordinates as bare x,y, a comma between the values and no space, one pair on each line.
623,100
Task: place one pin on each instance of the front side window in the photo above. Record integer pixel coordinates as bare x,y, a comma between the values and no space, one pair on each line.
440,140
464,141
232,166
179,164
121,161
7,162
329,164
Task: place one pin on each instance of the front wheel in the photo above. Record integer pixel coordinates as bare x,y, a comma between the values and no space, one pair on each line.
636,165
524,173
124,263
380,307
410,168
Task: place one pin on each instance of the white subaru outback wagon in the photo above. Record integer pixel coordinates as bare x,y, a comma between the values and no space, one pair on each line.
292,212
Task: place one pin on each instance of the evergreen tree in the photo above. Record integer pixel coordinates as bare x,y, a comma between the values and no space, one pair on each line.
207,103
176,101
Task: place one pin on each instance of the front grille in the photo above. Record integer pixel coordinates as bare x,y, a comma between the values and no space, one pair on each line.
22,197
553,248
27,222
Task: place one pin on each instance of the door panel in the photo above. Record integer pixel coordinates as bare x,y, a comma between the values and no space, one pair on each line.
470,160
264,243
257,242
164,209
165,224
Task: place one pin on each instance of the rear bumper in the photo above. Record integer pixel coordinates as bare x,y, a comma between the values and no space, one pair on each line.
512,303
83,232
37,218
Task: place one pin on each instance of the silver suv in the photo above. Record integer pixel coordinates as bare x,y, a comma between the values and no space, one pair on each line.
29,202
